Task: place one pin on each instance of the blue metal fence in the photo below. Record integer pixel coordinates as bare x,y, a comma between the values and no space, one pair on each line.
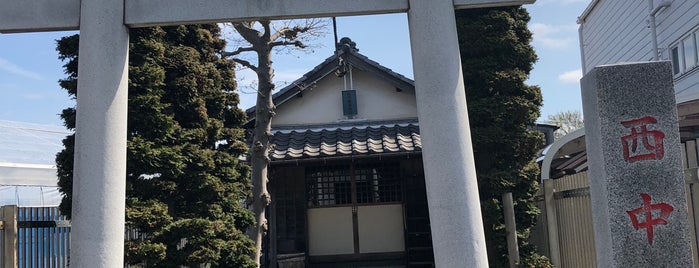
43,238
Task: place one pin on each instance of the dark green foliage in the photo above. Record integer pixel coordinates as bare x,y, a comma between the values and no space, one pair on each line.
497,58
184,180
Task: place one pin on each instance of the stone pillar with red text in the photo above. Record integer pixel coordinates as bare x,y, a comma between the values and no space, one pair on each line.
636,179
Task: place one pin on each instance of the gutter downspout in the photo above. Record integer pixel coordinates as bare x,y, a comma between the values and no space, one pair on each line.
582,47
653,29
581,21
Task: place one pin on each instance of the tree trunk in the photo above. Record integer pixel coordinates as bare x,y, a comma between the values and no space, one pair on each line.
260,148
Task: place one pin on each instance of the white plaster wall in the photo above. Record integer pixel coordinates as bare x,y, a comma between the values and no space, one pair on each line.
376,100
330,231
380,228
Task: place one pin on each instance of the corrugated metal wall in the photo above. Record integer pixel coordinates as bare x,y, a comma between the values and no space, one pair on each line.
690,161
573,211
42,241
573,216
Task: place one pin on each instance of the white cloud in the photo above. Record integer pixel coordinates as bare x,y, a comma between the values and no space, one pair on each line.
14,69
554,36
33,96
571,77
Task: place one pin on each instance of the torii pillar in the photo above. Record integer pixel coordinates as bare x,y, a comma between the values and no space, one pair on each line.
450,173
100,155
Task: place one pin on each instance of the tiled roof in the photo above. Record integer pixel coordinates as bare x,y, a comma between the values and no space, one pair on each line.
345,141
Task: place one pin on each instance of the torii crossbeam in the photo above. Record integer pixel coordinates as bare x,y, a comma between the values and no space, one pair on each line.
100,152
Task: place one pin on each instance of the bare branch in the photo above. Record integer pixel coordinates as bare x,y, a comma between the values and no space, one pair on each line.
245,63
296,43
265,25
290,33
279,33
237,51
246,30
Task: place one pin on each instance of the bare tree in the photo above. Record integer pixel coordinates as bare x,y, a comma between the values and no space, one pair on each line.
567,121
262,38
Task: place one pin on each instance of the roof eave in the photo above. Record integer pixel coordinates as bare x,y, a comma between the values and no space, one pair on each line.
587,11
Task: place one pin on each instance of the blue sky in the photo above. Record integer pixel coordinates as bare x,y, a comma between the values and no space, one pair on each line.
30,69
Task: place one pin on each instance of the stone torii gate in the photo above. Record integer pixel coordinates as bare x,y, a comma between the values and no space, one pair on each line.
100,154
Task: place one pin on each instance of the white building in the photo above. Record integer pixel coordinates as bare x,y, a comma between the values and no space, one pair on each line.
616,32
346,173
631,31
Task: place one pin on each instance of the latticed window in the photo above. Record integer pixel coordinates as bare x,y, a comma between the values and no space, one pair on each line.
348,184
329,185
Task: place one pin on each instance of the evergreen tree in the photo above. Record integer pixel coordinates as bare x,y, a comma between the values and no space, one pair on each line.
497,57
185,185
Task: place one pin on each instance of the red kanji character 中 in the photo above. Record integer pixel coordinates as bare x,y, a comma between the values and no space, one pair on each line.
646,209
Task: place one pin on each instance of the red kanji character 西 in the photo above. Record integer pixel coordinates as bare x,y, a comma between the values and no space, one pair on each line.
639,131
